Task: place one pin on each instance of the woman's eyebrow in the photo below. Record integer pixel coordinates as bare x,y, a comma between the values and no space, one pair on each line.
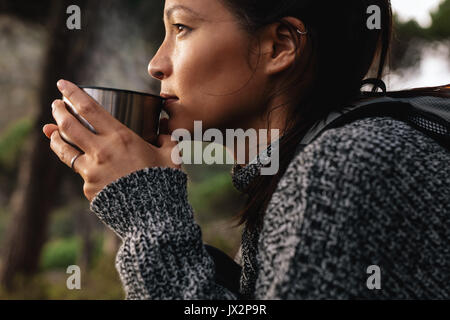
171,10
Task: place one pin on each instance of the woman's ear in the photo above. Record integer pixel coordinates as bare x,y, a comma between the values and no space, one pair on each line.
280,46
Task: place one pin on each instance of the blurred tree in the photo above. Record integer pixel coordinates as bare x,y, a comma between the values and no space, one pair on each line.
440,27
31,11
41,172
409,37
69,54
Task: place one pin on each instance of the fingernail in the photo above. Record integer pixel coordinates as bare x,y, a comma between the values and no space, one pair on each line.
53,105
61,84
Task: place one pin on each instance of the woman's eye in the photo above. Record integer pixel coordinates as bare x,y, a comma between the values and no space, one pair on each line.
180,27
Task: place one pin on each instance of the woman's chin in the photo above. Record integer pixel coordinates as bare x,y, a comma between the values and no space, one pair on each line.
174,124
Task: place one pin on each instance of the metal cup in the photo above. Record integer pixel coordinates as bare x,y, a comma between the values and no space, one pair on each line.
140,112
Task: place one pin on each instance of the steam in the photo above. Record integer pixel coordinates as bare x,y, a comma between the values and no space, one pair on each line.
433,69
124,46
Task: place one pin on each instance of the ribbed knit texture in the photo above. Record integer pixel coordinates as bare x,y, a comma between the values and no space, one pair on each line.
373,192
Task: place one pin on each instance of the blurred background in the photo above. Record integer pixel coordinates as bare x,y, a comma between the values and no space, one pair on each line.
45,222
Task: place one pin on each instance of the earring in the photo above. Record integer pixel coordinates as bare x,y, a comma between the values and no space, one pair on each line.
302,33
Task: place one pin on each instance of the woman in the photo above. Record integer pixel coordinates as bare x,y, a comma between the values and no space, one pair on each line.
362,212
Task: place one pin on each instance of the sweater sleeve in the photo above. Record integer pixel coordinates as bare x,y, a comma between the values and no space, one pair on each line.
360,214
162,255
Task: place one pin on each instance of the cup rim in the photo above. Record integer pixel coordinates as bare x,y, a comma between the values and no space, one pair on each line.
122,90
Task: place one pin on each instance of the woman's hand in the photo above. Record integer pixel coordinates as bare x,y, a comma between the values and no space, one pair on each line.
114,152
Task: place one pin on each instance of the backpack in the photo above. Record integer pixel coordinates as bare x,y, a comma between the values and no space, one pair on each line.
428,114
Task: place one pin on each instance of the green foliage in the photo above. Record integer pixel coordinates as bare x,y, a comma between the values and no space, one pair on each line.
104,280
12,140
440,27
100,282
61,253
213,197
222,235
62,223
27,288
215,201
409,37
4,218
405,31
98,248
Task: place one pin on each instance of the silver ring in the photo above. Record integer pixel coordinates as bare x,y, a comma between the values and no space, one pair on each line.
73,160
302,32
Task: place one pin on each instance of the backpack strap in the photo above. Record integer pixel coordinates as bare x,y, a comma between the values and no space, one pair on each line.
228,272
428,114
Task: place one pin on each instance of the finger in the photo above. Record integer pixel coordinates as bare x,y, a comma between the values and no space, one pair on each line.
65,152
48,129
88,108
71,128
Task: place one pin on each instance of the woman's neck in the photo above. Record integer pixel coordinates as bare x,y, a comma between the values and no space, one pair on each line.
264,137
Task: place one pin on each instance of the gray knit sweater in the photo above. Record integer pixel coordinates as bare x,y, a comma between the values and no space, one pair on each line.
373,192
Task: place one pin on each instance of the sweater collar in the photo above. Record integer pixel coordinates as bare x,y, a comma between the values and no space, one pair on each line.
242,176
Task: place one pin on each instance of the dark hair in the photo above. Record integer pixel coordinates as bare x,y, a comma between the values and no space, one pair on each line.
344,51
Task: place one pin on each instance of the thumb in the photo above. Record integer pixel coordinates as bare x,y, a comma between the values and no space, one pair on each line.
165,140
48,129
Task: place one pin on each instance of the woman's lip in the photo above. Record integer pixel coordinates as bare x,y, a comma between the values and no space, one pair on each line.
168,102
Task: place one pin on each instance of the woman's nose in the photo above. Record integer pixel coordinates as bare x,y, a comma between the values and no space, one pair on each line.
159,67
156,74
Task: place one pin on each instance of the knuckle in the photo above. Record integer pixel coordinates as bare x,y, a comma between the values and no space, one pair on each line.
89,191
89,175
86,175
124,136
85,108
86,190
65,149
56,104
65,125
69,93
102,155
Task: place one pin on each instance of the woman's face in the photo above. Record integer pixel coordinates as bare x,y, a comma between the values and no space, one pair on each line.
204,62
